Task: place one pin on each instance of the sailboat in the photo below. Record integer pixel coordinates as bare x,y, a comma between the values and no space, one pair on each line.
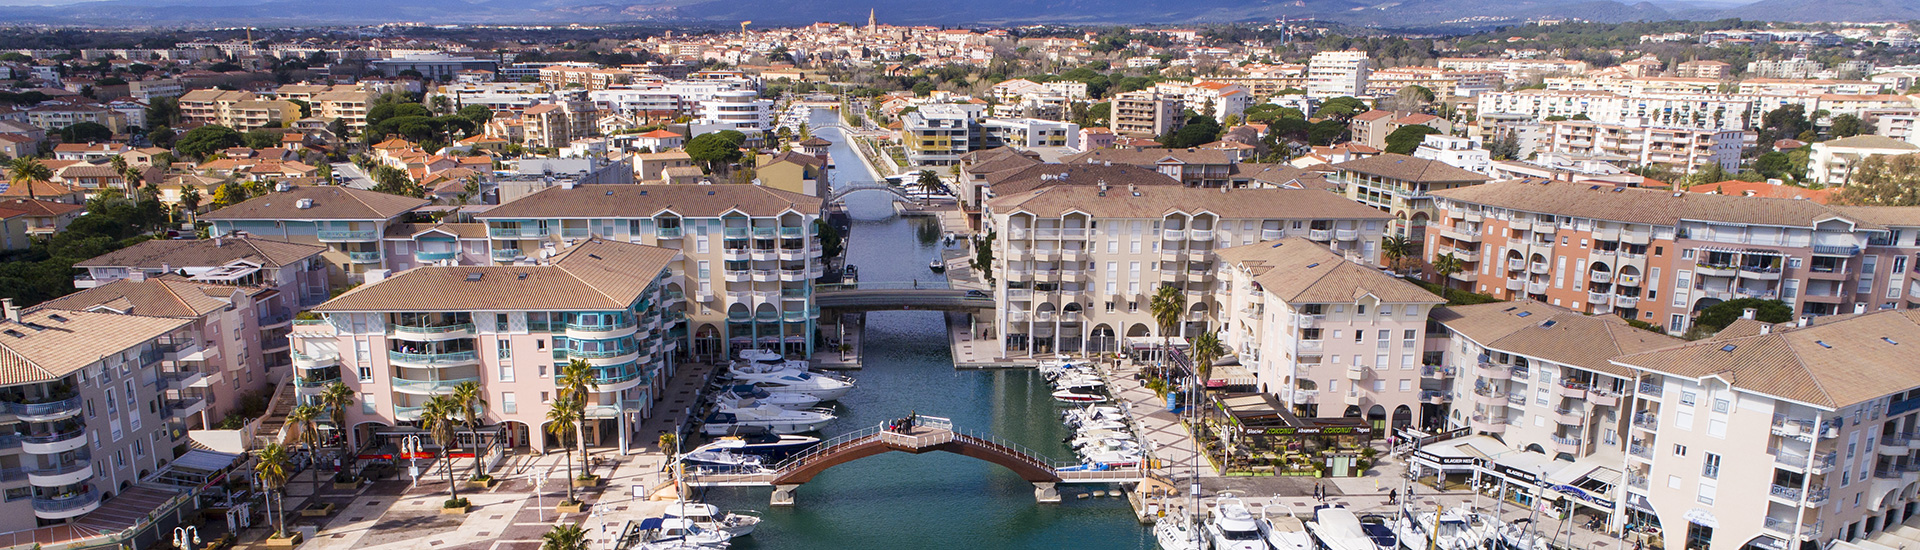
1183,533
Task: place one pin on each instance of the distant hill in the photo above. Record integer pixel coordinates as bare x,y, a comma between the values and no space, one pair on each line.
1381,13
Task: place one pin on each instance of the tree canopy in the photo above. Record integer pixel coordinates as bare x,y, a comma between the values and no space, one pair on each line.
716,148
1883,181
1408,138
206,140
1718,316
85,132
1341,108
1200,129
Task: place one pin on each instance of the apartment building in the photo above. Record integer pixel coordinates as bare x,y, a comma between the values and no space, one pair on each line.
740,110
1710,111
1704,68
235,109
345,102
1026,133
562,77
1288,307
1661,257
1514,69
1371,128
1551,410
1194,167
35,218
1084,251
1832,162
1681,148
1401,186
1464,153
351,223
1338,73
1212,98
54,115
1144,113
87,415
399,341
749,253
1777,436
936,135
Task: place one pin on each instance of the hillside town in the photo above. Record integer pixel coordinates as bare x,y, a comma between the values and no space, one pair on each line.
425,262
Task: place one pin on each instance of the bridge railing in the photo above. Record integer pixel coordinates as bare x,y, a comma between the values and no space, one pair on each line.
948,433
907,285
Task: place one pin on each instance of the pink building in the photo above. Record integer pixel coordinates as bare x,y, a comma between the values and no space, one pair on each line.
400,340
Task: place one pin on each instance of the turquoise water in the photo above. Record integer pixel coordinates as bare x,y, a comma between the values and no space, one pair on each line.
935,500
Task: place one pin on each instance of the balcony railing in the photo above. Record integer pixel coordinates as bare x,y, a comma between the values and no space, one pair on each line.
1651,389
53,407
334,235
445,329
433,358
1647,421
430,385
66,503
504,254
1641,451
516,232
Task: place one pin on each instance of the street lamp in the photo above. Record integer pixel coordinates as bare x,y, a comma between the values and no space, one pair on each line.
184,535
411,447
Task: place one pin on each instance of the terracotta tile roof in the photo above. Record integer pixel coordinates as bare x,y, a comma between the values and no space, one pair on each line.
1155,201
1542,331
34,207
594,275
48,344
470,231
170,296
1149,157
1299,271
1604,202
41,188
329,203
640,201
1410,169
1737,188
180,254
1836,362
1016,181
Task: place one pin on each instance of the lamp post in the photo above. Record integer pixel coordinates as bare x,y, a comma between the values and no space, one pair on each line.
411,447
182,536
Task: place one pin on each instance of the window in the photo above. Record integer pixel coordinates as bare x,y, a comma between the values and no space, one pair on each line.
503,349
1386,310
1360,309
1707,491
1710,466
507,403
499,322
543,370
1679,450
1686,398
366,373
544,398
1406,384
1110,305
366,403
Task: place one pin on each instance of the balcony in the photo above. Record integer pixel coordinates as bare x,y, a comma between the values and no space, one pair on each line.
1488,424
1602,398
1787,527
430,387
45,410
1516,264
1538,268
1346,234
1625,301
435,256
364,257
1201,235
1436,371
517,232
1516,285
669,232
1636,482
736,254
1572,390
1566,445
1174,234
434,359
66,506
334,236
1640,451
61,475
1646,421
504,254
453,330
1893,445
55,442
1846,250
315,381
1569,416
793,275
1819,463
1308,321
1310,346
1320,234
1536,288
1435,397
1760,273
1356,373
1601,277
1272,234
1804,429
186,406
1494,371
1598,298
1715,270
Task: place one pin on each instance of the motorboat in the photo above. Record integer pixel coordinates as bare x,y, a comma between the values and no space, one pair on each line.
1448,530
723,453
739,369
937,266
740,394
1287,532
761,355
1179,534
1379,529
1232,527
1338,529
774,419
1114,454
709,517
665,530
822,386
761,442
1083,394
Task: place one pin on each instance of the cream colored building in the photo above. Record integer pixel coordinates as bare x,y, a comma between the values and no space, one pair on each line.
1832,162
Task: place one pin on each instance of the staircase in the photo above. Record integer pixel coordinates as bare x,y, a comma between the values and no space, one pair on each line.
272,426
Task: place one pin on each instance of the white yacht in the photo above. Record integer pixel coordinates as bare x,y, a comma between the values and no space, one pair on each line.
1338,529
1232,527
670,530
747,395
709,517
1287,533
822,386
1448,530
774,419
1179,534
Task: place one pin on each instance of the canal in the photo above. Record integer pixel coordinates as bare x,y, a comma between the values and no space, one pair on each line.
935,500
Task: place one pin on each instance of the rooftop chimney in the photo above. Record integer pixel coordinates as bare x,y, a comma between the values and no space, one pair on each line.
1805,320
1859,308
1747,313
12,311
137,275
1766,328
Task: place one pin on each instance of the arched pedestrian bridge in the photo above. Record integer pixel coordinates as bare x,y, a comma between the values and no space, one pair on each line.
926,435
923,295
841,191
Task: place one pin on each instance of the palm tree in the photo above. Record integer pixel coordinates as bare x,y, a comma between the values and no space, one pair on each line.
1446,265
566,536
1167,306
561,416
575,381
335,398
667,441
190,200
1395,248
929,183
25,171
119,164
439,415
472,404
306,419
1206,349
271,463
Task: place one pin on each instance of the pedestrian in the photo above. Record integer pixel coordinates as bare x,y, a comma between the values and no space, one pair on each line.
1393,496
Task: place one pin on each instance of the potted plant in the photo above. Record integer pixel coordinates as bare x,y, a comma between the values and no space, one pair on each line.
456,506
586,480
316,509
345,482
569,507
483,481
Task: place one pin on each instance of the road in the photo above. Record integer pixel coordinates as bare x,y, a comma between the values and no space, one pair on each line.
345,173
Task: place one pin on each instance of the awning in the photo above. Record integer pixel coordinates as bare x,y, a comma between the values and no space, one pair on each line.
1230,375
204,461
1465,451
1592,467
1526,467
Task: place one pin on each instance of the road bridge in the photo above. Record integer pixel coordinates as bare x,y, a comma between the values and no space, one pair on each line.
927,434
841,191
924,295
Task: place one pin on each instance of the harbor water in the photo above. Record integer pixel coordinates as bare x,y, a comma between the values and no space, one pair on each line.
937,500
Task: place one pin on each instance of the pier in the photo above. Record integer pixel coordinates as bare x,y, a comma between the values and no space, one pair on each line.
924,434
